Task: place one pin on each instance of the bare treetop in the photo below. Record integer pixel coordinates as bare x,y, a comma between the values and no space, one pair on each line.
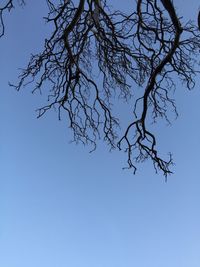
149,47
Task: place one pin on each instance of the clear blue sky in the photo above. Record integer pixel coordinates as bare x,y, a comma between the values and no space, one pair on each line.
61,206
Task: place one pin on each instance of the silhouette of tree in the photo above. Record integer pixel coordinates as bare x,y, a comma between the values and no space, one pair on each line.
148,47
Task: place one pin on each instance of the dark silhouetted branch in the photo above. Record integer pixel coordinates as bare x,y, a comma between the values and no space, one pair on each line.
147,47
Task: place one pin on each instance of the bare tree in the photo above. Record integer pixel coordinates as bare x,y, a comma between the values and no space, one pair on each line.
148,47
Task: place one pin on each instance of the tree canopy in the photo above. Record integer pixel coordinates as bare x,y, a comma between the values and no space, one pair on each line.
149,46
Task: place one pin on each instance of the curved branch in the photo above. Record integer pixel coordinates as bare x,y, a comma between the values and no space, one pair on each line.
170,8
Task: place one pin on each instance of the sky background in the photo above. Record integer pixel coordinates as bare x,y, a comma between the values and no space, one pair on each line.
62,206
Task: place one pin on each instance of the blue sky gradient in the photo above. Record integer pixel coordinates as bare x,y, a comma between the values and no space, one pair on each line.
62,206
